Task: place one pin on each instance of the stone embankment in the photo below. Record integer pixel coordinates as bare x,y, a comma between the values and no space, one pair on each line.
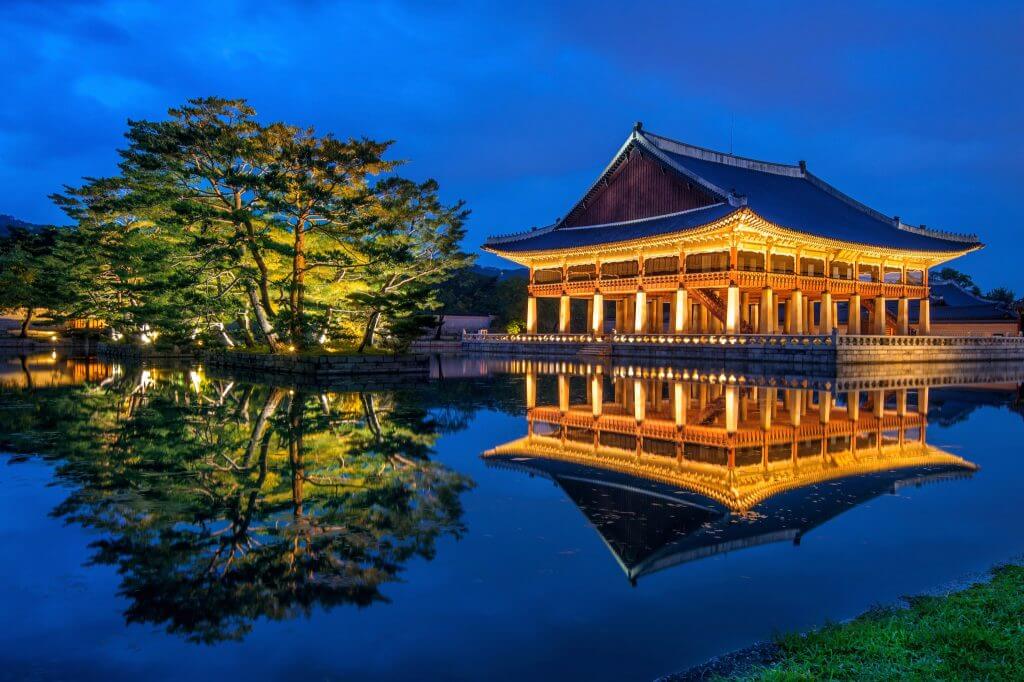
320,366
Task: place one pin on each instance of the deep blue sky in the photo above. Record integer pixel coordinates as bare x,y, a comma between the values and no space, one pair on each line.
515,107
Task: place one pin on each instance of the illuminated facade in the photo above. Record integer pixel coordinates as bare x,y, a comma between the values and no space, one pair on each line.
676,239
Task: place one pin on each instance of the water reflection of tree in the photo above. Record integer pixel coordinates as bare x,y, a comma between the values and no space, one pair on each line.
220,507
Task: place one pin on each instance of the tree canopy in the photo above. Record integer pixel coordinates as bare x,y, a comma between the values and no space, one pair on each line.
218,225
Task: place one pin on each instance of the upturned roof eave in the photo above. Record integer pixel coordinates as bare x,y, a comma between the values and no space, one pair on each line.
523,257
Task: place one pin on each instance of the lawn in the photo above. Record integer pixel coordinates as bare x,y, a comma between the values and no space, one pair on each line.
974,634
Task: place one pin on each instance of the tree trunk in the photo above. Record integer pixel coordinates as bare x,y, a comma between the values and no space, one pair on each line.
264,323
29,312
440,326
297,298
371,330
243,324
261,264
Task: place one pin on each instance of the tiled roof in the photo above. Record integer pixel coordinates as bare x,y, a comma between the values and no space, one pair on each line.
786,195
553,237
791,197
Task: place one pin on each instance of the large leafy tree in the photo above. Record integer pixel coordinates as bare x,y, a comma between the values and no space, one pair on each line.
217,219
31,277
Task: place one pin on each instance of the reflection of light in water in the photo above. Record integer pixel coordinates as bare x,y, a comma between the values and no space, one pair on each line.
53,355
196,379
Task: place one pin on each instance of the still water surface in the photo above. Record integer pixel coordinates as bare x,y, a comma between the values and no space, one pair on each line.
510,520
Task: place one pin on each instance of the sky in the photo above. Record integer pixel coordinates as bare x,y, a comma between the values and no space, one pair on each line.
913,108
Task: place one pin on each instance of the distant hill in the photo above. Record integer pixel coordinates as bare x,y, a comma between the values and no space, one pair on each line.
501,273
8,222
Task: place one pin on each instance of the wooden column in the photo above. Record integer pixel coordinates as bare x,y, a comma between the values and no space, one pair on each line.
824,407
853,406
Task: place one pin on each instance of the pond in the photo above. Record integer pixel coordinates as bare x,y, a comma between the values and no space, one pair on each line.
507,519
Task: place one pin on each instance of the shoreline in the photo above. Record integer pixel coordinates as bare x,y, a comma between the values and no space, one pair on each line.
766,656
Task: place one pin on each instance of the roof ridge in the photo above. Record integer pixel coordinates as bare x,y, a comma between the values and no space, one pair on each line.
705,154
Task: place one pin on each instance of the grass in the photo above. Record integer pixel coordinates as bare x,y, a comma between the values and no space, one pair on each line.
974,634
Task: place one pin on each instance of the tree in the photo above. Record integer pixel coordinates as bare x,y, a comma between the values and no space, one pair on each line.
1003,295
961,279
412,247
215,216
30,276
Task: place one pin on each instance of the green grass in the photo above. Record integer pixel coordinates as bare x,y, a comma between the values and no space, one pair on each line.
974,634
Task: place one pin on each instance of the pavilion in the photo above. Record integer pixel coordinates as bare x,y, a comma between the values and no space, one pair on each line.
675,239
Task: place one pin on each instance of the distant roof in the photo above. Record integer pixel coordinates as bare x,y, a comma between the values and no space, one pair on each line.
786,195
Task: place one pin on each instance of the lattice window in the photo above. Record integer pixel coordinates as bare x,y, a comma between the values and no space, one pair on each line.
707,262
582,273
783,264
663,265
750,261
812,267
547,276
625,268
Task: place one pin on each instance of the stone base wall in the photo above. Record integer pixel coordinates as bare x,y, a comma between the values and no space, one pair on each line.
811,357
908,349
127,351
319,365
524,348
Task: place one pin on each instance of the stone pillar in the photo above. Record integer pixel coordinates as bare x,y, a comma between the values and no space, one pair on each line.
901,402
589,319
797,318
765,405
680,311
639,400
731,408
767,325
853,315
903,316
835,315
680,402
705,326
531,315
879,404
628,308
878,320
824,407
531,388
795,403
564,314
924,317
827,321
732,310
597,315
563,393
596,394
922,401
808,326
853,406
640,313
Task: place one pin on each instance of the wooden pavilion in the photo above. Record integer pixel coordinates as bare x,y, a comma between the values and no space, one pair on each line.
675,239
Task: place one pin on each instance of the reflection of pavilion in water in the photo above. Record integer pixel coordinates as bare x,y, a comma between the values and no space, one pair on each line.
49,370
672,470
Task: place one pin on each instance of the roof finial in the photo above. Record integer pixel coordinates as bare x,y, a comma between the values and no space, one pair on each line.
803,166
638,126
